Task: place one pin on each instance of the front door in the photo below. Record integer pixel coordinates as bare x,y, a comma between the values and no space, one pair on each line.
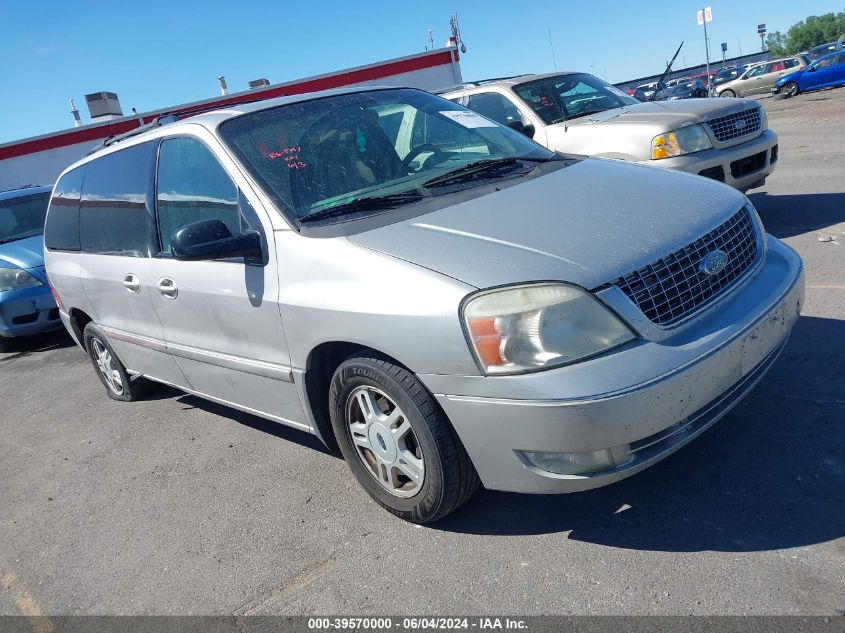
221,318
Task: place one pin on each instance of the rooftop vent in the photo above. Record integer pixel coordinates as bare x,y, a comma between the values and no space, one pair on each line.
103,106
258,83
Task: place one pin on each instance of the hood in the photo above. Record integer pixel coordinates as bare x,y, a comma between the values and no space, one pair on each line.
586,224
668,113
25,253
793,76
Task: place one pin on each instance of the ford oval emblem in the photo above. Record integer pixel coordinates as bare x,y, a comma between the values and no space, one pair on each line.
714,263
740,124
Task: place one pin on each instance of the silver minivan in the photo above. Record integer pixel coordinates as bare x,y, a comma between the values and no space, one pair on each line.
442,299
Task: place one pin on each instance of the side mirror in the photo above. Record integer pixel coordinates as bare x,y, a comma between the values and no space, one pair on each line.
211,239
811,69
528,130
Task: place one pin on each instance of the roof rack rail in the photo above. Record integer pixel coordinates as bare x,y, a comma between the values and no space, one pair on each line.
168,117
472,84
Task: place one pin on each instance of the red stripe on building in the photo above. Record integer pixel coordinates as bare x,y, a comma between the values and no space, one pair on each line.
370,73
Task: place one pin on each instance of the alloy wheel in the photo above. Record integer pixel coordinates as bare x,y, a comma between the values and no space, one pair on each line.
385,442
105,363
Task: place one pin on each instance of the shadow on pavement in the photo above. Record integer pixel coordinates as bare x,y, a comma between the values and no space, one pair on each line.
27,345
789,215
769,475
269,427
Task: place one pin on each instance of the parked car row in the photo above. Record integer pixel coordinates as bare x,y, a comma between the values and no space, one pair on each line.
759,78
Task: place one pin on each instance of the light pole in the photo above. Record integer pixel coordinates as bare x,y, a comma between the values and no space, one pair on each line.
703,16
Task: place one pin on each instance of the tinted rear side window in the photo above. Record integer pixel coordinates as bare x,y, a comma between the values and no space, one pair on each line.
115,212
62,230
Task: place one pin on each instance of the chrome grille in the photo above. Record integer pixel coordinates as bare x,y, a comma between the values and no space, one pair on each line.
674,286
728,128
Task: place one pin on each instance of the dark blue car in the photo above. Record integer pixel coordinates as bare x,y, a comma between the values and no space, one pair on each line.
825,72
26,304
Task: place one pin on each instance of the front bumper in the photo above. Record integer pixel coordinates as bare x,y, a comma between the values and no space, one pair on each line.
28,311
653,396
740,166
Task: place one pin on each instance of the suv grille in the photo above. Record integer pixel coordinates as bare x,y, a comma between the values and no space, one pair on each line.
673,287
728,128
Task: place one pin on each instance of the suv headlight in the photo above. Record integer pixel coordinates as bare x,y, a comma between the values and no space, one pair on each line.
764,120
524,328
15,279
685,140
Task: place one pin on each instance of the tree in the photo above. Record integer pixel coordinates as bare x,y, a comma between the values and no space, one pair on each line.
815,30
776,43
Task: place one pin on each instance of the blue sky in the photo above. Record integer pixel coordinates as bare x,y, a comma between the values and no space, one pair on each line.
155,54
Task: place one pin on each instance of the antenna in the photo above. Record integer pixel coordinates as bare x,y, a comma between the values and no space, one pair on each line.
456,33
552,46
75,114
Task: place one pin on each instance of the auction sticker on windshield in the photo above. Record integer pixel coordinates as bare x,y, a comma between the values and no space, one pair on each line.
468,119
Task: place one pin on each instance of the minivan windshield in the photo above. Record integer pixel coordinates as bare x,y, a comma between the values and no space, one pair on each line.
564,97
23,216
365,152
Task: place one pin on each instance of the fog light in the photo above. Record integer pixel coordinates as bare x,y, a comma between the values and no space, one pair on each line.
580,463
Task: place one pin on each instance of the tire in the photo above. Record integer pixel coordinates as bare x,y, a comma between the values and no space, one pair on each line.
120,386
405,453
790,89
5,344
728,94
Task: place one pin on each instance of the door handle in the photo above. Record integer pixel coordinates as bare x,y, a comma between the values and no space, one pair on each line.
132,283
167,288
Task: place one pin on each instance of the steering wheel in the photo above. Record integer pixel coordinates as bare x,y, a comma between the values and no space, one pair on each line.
436,153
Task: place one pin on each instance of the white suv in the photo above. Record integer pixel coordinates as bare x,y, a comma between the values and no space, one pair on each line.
578,113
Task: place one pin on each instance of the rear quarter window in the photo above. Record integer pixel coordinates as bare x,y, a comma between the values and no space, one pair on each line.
61,232
115,212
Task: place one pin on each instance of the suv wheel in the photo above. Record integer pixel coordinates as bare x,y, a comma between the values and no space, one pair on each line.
111,372
397,441
727,93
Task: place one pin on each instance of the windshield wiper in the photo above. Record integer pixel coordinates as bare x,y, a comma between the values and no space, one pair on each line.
372,203
471,170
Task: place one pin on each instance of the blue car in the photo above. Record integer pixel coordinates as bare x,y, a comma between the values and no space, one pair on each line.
825,72
26,303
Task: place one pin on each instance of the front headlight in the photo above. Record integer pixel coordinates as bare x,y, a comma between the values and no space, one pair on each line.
524,328
764,120
15,279
685,140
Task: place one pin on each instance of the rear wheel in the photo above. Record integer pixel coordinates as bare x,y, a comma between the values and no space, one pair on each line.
728,94
397,441
790,89
110,371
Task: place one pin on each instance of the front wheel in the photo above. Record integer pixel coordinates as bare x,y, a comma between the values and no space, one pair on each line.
398,443
791,89
728,94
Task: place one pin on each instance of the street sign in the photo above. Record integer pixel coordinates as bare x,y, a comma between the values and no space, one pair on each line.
703,16
724,47
761,28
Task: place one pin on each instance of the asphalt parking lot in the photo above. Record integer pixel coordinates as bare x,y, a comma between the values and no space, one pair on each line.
175,505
